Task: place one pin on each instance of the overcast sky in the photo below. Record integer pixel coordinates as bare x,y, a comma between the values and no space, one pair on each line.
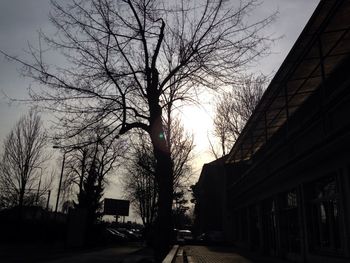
21,19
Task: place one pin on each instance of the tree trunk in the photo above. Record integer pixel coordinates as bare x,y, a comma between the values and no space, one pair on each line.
20,202
164,221
164,224
21,197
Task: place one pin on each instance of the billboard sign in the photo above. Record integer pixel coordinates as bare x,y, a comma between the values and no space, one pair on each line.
116,207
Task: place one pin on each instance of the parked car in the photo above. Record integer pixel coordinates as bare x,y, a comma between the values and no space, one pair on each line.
130,235
114,235
184,236
211,237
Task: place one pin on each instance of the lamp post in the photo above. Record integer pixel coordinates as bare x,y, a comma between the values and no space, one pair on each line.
38,192
48,200
65,151
60,182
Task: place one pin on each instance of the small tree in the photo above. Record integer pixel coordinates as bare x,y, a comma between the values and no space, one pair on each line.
87,171
180,208
139,183
90,196
22,160
233,109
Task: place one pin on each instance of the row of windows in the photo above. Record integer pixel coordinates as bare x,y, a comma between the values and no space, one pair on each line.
275,224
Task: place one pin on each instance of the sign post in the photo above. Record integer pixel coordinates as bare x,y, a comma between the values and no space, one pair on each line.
116,207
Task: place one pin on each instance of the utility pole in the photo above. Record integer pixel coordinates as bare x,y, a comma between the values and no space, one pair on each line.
65,151
60,182
48,200
38,193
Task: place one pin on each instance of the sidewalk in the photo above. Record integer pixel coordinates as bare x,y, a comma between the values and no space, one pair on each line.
203,254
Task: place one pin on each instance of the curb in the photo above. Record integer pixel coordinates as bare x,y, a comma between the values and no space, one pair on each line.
171,255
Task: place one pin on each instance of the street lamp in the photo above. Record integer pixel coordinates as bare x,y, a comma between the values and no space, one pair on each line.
41,174
65,151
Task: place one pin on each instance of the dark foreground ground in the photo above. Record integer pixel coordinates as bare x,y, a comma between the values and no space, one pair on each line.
131,252
124,253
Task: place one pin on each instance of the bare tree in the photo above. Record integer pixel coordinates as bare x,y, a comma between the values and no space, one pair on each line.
234,108
181,146
141,187
139,183
89,167
22,162
126,55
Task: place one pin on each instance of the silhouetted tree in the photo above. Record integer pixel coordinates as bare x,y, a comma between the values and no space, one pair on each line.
87,171
180,208
21,162
140,184
194,200
67,205
233,109
125,57
90,196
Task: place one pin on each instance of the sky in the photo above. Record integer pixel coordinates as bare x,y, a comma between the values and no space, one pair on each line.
20,21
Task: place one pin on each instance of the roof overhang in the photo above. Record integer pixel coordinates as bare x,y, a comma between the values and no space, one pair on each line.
322,46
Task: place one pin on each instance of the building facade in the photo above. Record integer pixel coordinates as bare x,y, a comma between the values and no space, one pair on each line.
292,199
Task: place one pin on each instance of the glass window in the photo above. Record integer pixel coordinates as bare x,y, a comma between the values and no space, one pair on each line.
244,225
292,199
289,220
269,224
323,214
254,227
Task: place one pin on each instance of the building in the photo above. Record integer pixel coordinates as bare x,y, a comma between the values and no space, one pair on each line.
292,199
211,211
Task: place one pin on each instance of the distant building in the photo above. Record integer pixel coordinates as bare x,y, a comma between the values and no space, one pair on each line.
211,192
292,200
210,197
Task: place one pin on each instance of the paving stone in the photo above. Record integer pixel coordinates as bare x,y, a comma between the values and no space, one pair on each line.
203,254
